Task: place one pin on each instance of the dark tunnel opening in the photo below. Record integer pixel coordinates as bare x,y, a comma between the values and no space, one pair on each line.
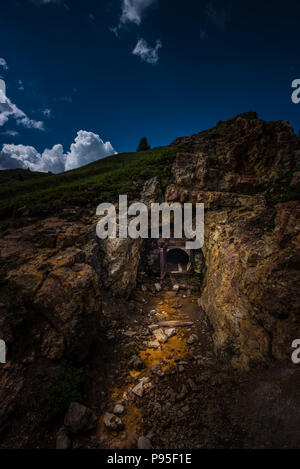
177,260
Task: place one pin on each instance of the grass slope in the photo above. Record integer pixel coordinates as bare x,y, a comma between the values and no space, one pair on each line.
12,175
101,181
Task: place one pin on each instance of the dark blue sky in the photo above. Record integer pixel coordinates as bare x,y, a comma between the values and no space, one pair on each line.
217,59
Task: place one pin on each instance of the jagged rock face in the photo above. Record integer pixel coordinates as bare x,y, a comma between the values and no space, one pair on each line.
70,299
56,282
250,285
121,258
250,292
243,155
151,191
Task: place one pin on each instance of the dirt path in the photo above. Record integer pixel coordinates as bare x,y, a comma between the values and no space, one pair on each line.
166,363
183,397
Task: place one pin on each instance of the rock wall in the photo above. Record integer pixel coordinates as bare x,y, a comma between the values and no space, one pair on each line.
50,307
121,259
53,272
250,285
45,266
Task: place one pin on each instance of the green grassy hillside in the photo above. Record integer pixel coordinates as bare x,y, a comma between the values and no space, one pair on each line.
12,175
103,180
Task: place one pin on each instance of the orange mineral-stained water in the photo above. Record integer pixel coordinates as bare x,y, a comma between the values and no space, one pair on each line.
174,349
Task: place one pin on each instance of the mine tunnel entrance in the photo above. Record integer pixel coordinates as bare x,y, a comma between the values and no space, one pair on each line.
177,260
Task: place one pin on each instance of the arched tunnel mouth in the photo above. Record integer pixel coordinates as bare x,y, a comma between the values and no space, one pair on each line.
177,260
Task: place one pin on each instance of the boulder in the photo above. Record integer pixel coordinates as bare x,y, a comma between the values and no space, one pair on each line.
80,419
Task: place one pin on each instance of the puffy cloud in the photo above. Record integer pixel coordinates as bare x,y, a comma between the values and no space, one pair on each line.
3,64
132,10
9,110
147,53
10,133
18,156
86,148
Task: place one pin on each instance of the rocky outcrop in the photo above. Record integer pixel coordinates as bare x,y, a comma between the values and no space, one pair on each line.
241,155
55,280
51,300
250,292
70,299
151,191
250,249
53,273
121,258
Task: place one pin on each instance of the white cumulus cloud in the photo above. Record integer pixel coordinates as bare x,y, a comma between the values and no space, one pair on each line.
9,110
147,53
132,10
86,148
